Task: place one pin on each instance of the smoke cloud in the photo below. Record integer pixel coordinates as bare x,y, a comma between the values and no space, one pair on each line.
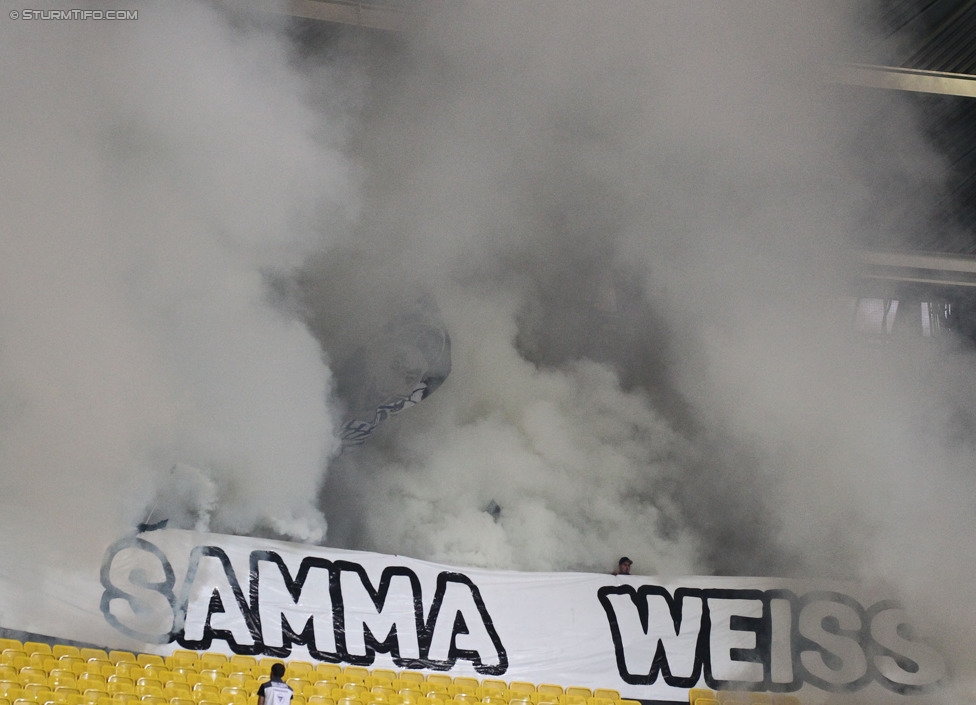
633,219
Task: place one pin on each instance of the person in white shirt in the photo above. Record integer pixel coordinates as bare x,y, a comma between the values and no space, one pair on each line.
275,691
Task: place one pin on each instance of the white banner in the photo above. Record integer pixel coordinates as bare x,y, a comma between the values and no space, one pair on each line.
165,590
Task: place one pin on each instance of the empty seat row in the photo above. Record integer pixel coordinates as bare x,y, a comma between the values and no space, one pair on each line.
61,674
703,696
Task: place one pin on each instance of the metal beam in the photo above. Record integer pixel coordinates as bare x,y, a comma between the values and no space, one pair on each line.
939,270
374,15
915,80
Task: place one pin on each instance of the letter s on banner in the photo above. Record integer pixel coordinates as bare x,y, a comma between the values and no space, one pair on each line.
138,599
903,665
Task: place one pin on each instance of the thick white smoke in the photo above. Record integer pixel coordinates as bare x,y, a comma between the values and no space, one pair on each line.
156,173
634,218
637,220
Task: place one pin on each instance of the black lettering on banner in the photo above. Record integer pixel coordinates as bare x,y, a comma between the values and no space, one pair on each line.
331,607
227,614
364,623
678,654
825,639
899,662
746,631
456,595
151,615
831,630
311,594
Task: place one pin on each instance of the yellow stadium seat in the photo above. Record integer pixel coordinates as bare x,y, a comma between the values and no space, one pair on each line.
92,695
328,671
696,693
43,661
59,650
606,693
521,687
68,696
493,700
579,691
211,659
69,661
177,689
549,689
489,685
599,701
90,680
239,680
243,664
11,690
119,685
520,700
298,700
466,685
297,684
357,673
202,691
8,655
32,674
34,647
299,669
150,660
181,701
119,656
100,665
6,643
411,694
318,688
349,701
183,657
24,701
148,690
319,700
351,689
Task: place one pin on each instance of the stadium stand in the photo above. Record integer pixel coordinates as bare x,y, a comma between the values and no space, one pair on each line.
37,673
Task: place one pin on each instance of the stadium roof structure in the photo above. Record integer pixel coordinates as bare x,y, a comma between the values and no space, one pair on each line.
927,57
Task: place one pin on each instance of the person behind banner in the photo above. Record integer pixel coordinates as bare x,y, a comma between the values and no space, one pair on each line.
275,691
623,568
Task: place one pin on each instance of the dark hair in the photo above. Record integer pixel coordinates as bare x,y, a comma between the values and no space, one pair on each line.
277,670
624,560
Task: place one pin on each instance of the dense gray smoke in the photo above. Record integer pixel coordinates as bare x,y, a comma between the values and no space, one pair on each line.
634,220
156,173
